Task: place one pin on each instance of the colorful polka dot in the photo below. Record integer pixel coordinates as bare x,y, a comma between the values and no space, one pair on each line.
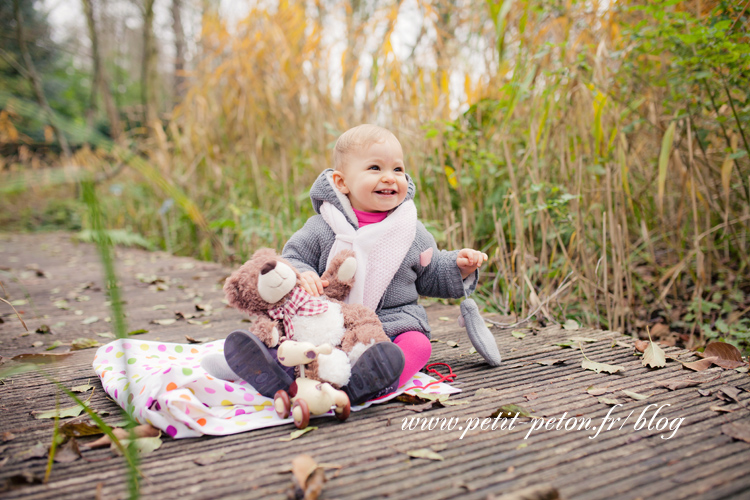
162,347
119,355
109,349
248,397
132,361
210,391
144,347
201,421
178,348
171,431
187,371
171,386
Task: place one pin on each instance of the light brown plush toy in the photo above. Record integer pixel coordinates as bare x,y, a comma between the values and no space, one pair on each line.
266,286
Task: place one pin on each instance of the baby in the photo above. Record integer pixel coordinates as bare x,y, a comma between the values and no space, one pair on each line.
365,203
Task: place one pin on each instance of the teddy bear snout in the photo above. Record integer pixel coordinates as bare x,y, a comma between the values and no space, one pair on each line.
268,267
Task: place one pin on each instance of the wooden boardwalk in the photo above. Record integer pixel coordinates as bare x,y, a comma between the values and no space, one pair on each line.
370,448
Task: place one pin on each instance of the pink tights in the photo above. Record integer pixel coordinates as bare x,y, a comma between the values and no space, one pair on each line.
417,350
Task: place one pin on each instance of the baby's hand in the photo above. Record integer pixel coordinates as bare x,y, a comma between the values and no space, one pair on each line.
312,284
469,260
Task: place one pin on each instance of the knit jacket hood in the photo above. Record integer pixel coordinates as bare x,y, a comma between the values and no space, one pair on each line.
324,190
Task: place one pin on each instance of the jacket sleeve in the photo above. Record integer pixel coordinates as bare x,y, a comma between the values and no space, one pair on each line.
440,277
303,248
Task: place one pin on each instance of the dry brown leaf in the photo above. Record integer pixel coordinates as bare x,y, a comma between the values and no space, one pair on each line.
673,385
550,362
701,364
69,452
597,391
733,393
737,430
722,350
721,409
659,330
41,358
423,407
302,467
210,458
641,345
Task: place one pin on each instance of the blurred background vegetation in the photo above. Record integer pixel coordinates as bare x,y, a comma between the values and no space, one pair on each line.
596,150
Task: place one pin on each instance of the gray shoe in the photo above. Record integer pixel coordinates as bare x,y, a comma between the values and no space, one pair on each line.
480,336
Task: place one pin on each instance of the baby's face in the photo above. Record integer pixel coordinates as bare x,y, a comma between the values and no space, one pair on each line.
374,178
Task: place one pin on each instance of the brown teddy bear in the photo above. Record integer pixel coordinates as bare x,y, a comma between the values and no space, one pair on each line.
266,286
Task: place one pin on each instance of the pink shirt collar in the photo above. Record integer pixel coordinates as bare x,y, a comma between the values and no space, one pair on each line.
366,218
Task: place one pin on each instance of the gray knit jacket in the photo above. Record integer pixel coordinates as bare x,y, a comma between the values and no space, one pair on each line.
398,310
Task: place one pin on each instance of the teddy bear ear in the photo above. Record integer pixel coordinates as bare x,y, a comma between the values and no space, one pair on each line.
264,252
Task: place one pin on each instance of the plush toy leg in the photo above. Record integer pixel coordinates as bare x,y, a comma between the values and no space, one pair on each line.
216,365
249,358
480,336
376,371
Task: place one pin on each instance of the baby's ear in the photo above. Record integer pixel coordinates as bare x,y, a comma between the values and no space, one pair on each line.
338,181
264,252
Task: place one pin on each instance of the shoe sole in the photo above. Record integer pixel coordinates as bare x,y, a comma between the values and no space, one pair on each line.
249,358
383,363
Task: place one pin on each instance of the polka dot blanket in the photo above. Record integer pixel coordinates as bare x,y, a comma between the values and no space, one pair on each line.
164,385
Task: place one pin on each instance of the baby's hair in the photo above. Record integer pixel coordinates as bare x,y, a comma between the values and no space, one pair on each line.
361,136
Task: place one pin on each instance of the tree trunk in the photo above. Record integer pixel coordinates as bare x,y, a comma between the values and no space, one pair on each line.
36,81
101,81
179,51
147,68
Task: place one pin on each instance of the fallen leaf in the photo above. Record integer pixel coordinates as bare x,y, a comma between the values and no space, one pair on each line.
83,343
571,324
597,391
68,452
106,335
210,458
583,339
43,329
81,388
138,331
531,397
142,445
425,453
62,304
701,364
448,402
550,362
72,411
79,429
704,393
54,345
164,322
444,318
298,433
609,401
37,451
19,302
41,358
622,344
451,343
641,345
90,320
737,430
38,343
485,392
673,385
659,330
721,409
420,408
733,393
600,367
635,395
518,334
302,468
8,436
722,350
438,446
654,356
510,411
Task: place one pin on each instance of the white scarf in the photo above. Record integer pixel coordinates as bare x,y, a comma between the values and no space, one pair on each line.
380,249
